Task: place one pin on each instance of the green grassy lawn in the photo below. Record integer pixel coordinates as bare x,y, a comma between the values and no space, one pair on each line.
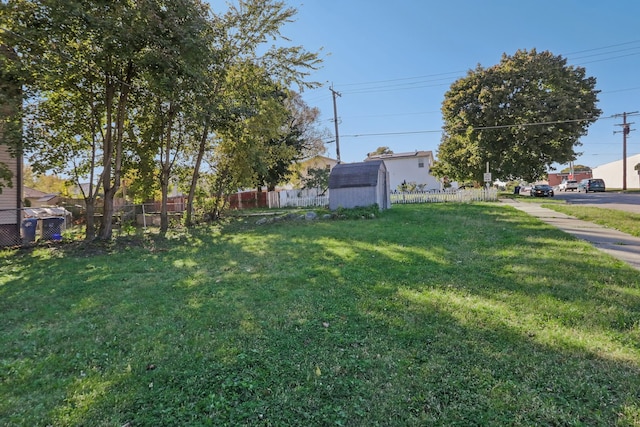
442,315
622,221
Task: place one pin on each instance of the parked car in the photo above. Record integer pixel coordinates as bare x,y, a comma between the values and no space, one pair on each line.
591,184
541,190
568,184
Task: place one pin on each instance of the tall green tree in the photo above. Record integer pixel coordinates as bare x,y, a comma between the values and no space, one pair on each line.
521,116
317,178
298,138
175,67
240,48
88,62
244,148
86,54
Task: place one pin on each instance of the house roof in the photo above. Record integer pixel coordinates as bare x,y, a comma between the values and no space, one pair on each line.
364,174
32,193
422,153
319,156
47,197
40,196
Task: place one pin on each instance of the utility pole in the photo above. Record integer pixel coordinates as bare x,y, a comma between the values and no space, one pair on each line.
335,120
626,129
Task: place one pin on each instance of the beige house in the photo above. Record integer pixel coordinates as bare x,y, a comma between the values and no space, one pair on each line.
39,199
302,169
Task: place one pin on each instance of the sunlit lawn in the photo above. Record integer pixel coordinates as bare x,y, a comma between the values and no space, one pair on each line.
442,314
613,218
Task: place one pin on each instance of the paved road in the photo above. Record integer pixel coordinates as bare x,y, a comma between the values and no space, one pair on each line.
629,202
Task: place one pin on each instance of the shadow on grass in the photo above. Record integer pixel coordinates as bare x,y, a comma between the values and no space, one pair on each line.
445,314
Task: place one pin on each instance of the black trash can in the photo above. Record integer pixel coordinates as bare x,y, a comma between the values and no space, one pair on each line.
52,228
516,190
29,226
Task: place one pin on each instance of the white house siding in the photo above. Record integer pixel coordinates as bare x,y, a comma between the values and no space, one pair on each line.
9,214
611,173
9,196
405,167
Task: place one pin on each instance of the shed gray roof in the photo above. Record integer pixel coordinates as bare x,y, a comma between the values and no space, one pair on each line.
364,174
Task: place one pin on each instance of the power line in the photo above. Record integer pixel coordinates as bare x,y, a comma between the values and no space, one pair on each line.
391,133
375,87
484,127
402,79
602,48
610,52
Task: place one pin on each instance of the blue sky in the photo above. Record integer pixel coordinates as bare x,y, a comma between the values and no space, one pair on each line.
393,61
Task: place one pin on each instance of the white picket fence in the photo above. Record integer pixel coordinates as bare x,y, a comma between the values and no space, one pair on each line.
460,196
311,198
297,199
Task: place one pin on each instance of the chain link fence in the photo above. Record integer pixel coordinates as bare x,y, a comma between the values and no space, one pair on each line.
28,225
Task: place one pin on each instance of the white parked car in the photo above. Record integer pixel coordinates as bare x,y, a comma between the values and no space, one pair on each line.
568,184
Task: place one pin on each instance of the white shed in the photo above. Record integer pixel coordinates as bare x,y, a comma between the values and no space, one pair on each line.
359,185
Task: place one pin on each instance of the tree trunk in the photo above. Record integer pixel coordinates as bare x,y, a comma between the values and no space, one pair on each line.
196,175
107,162
220,201
90,212
164,214
165,172
114,146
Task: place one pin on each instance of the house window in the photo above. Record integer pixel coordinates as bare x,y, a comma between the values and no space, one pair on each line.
327,167
420,163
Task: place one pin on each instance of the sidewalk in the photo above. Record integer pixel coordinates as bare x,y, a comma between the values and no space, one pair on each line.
615,243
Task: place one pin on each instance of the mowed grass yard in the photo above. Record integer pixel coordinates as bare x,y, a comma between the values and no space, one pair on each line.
443,315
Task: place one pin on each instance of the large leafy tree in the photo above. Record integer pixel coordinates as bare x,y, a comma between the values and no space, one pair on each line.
83,59
521,116
88,63
244,147
176,66
137,87
298,138
242,60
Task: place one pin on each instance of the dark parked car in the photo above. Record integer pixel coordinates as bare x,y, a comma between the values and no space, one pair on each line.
591,184
541,190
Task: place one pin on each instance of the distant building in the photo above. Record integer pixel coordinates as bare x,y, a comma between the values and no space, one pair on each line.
412,167
555,179
611,173
301,170
317,162
38,199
